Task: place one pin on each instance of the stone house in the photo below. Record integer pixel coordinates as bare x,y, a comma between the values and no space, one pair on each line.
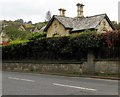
60,25
35,29
29,28
21,28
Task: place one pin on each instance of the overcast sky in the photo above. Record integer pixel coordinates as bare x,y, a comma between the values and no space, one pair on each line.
35,10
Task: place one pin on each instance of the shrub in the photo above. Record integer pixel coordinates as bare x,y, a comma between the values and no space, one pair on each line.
67,47
112,39
18,41
37,36
5,43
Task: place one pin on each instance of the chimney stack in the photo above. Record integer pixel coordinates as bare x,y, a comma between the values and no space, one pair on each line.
80,10
62,12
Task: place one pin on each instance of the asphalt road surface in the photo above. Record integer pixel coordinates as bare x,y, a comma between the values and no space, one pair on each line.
14,83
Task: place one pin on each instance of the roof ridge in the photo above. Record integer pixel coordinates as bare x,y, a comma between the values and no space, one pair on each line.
96,15
84,17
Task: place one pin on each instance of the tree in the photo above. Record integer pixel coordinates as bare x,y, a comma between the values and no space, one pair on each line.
14,33
19,21
116,25
29,22
48,15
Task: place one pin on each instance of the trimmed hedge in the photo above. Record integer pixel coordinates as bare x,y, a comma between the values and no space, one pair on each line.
59,48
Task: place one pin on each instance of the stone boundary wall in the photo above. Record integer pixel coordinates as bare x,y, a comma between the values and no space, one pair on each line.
107,66
70,68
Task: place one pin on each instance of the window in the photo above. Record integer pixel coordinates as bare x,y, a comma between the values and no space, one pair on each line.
55,25
104,23
104,29
56,34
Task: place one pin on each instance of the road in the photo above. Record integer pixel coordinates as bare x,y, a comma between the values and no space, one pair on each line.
14,83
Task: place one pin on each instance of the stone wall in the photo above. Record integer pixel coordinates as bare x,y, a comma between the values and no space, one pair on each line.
38,67
104,25
107,66
73,68
58,29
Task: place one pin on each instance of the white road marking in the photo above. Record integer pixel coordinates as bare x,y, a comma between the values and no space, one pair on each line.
90,89
21,79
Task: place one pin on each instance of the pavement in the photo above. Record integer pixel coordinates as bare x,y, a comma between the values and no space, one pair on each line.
14,83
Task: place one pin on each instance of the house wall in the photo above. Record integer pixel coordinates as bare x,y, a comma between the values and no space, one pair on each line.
21,28
36,30
57,29
103,26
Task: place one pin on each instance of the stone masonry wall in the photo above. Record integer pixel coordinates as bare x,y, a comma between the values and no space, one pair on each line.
78,68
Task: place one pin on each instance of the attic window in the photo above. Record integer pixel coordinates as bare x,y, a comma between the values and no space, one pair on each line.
104,23
55,25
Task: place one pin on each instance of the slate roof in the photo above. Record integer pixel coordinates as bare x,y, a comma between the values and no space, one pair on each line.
42,29
76,24
66,21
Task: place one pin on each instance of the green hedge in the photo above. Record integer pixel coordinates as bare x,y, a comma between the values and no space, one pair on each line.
67,48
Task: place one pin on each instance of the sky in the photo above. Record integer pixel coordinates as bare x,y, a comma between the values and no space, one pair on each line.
35,10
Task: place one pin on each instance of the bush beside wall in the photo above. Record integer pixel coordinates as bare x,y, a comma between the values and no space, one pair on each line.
61,48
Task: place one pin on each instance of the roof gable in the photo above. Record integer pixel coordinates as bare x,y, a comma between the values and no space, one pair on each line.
107,18
65,21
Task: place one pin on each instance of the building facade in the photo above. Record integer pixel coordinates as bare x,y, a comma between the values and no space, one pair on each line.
60,25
